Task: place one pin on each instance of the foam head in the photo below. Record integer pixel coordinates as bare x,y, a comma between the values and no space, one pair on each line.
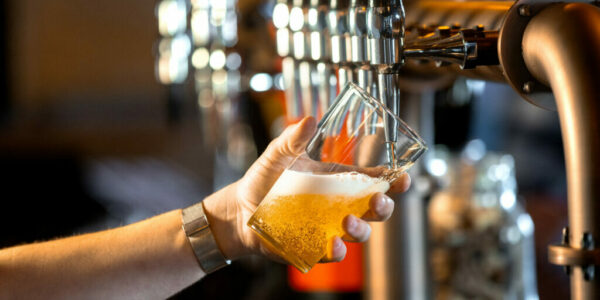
343,184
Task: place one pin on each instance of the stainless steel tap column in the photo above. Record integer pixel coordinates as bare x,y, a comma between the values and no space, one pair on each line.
299,24
289,66
320,53
385,31
337,21
359,45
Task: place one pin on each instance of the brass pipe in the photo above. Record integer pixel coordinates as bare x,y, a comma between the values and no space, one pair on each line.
561,46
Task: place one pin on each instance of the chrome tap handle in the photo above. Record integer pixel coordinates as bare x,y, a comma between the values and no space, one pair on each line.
300,29
338,29
281,18
468,47
385,30
319,32
357,28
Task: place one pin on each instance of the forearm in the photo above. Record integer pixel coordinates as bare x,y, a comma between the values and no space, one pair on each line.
151,259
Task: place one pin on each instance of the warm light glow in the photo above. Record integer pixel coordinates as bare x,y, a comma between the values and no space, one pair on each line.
261,82
200,27
296,19
281,15
283,42
217,60
202,4
278,82
525,224
172,66
200,58
437,167
181,46
218,12
229,29
508,199
171,69
171,17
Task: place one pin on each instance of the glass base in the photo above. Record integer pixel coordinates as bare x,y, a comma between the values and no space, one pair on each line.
274,246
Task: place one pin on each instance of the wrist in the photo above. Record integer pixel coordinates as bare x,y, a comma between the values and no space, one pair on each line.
222,215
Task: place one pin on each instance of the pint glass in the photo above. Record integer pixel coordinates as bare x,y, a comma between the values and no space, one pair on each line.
359,149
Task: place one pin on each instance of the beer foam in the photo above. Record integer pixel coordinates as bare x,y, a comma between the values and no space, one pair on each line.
344,184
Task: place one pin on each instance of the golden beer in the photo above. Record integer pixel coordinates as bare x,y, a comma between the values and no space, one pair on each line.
303,211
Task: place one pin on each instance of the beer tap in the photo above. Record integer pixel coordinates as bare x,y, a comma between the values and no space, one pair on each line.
385,31
337,21
289,67
360,54
359,49
320,54
465,47
301,52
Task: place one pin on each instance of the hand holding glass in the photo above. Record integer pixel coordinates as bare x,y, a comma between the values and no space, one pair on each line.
359,149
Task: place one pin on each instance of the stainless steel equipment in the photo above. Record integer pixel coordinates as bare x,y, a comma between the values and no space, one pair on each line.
546,51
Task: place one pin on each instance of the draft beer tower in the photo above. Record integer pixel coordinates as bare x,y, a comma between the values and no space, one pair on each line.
547,51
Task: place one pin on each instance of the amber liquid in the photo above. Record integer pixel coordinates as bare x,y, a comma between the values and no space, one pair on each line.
298,227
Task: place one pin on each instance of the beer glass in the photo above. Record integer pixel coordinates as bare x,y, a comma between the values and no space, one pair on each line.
359,149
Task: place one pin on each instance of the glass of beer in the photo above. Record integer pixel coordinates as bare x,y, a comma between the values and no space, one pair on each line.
359,149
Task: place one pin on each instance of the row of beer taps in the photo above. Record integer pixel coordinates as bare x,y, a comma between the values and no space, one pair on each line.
327,43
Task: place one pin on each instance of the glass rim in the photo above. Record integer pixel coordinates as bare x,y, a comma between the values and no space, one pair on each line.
372,101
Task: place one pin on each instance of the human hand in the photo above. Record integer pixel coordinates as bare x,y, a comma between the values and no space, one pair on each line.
230,208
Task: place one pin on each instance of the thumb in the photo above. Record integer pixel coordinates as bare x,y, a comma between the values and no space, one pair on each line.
279,154
293,140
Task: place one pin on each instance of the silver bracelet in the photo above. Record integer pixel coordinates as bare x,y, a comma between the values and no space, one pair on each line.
196,227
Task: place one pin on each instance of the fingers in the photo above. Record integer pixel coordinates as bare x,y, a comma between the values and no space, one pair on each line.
400,185
357,230
336,250
380,208
293,140
279,154
287,146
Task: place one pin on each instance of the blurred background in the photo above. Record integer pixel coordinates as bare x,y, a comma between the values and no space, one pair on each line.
110,114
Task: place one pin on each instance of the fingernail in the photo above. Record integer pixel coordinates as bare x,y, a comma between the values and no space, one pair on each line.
388,200
381,203
337,244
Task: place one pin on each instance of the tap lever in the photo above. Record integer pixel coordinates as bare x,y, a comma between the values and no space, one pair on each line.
468,47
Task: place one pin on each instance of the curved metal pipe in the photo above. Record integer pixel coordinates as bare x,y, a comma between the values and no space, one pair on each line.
561,46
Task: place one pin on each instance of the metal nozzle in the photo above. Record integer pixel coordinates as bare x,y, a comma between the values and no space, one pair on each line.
385,31
468,48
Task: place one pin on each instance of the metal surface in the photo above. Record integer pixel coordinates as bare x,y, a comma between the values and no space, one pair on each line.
568,256
560,47
389,95
468,48
469,14
385,30
509,53
337,22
